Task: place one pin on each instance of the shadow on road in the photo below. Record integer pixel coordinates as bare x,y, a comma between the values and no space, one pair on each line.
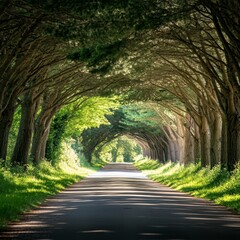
119,202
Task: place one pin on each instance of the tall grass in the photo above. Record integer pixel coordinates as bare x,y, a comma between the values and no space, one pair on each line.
21,190
217,185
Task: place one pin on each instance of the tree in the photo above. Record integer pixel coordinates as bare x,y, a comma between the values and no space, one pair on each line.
134,121
72,119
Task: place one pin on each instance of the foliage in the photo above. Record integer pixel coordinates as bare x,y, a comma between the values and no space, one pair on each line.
70,155
91,113
141,118
14,131
97,30
99,58
216,184
74,118
146,164
56,135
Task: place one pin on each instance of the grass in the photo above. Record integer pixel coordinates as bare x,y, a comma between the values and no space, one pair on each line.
22,190
217,185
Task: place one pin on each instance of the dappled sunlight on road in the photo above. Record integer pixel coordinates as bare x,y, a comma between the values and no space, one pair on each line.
124,204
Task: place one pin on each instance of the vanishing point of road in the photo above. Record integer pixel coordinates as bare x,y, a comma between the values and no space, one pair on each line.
120,202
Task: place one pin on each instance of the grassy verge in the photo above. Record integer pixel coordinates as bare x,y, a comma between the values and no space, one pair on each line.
21,190
216,184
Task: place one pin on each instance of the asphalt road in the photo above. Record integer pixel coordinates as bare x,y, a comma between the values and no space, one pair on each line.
119,202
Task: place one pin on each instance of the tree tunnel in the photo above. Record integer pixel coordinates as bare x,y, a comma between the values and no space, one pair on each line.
179,58
138,123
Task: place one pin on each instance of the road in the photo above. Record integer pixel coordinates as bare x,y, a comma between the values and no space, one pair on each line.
119,202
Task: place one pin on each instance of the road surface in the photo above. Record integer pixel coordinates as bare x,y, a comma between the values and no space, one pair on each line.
119,202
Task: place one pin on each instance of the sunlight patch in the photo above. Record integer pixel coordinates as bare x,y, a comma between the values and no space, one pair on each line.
118,174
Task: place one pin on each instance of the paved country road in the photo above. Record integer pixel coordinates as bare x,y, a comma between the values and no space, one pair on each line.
119,202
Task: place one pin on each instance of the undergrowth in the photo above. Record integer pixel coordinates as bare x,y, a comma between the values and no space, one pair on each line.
216,184
21,190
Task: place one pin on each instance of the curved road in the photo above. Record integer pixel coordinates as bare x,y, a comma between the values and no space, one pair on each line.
119,202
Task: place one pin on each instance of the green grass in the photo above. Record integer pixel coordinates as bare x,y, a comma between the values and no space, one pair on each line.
21,190
217,185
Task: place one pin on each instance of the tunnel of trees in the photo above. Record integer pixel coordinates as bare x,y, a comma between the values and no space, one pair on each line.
165,73
133,122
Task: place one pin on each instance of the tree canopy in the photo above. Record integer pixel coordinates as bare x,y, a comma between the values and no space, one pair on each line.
63,64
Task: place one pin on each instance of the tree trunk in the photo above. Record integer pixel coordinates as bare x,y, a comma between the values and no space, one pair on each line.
233,128
23,142
180,139
172,142
151,145
172,151
215,144
224,151
157,144
167,153
42,127
189,142
189,149
232,117
197,147
205,142
5,126
44,141
161,154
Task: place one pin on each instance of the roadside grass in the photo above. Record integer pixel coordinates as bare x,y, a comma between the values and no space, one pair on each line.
217,184
21,190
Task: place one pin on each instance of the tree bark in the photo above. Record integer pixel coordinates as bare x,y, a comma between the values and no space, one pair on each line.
233,128
197,147
180,139
215,141
189,142
161,153
205,142
23,142
5,126
224,151
42,128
